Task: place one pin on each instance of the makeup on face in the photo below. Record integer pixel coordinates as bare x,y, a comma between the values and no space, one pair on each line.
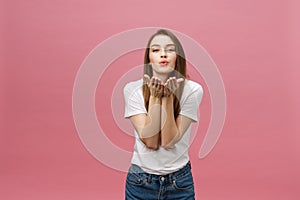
169,48
162,56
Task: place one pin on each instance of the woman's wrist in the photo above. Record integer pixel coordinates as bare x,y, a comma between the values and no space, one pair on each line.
168,97
155,98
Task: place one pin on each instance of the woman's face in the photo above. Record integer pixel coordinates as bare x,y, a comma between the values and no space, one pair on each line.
162,55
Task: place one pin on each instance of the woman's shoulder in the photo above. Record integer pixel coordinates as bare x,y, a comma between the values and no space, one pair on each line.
134,84
192,86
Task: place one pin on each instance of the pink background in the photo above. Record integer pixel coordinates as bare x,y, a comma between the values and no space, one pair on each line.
255,45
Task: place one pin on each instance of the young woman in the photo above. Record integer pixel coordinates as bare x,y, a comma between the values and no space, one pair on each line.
161,107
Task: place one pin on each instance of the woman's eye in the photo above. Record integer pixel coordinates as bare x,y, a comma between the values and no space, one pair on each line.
155,50
170,50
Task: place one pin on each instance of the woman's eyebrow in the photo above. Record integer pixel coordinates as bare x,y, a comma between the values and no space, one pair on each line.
153,45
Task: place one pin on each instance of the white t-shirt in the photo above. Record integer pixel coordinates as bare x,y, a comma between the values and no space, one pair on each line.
162,161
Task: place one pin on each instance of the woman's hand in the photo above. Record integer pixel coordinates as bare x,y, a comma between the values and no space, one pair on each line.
171,85
155,85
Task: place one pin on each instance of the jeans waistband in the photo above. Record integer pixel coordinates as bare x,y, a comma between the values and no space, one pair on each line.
174,175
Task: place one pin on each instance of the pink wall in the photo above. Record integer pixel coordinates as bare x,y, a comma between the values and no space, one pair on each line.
255,45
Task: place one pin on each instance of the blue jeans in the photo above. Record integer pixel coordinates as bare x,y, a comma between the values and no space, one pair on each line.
144,186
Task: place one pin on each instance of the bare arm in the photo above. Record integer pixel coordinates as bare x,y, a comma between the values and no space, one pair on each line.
172,130
148,125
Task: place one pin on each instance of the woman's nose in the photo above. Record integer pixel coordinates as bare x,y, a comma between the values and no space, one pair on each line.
163,53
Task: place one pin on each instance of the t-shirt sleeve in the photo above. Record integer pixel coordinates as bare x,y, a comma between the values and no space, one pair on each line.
134,101
190,104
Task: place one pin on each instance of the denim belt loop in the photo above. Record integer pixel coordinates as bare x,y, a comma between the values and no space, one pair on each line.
171,178
149,178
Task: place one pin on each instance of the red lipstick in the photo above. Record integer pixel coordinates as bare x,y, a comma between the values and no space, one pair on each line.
163,63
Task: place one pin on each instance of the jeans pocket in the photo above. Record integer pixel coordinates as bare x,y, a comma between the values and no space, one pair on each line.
134,179
184,182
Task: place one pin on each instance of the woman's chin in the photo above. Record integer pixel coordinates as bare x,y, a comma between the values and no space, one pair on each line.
163,69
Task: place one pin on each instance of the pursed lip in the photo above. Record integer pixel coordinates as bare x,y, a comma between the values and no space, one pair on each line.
163,62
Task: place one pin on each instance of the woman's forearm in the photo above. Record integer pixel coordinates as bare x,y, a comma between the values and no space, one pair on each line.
149,134
169,130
